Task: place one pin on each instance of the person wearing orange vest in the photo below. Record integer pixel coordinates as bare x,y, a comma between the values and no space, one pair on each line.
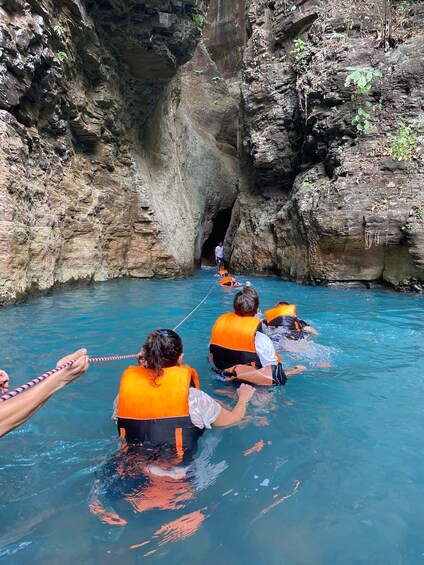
241,351
229,281
160,403
284,315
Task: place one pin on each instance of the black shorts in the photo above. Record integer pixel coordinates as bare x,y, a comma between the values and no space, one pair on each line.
278,375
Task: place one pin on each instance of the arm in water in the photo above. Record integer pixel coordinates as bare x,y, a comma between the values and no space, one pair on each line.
262,376
17,410
309,329
227,418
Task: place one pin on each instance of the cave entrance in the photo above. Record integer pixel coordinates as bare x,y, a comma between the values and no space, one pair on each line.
220,227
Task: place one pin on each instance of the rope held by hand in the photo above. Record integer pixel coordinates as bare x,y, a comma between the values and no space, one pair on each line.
37,380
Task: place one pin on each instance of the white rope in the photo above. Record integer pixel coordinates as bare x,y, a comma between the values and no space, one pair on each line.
194,309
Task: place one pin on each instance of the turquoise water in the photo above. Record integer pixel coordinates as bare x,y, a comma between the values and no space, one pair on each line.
336,473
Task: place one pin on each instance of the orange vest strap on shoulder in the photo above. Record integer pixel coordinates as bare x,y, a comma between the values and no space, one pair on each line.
233,341
150,411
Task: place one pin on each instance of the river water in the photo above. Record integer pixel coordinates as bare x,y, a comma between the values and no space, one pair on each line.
326,470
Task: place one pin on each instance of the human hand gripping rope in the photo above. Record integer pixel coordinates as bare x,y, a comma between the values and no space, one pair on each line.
37,380
44,376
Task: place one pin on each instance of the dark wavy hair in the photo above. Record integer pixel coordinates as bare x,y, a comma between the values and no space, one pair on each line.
160,350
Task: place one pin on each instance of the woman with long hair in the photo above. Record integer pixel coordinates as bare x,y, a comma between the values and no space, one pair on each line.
160,402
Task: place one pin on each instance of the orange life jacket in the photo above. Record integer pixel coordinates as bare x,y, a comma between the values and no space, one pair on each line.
222,272
227,281
233,341
158,414
284,315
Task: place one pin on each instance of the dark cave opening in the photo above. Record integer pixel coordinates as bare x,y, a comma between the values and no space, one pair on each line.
220,227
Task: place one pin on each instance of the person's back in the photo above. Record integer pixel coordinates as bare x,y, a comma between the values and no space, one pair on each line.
233,341
160,403
229,281
240,349
156,410
153,405
284,315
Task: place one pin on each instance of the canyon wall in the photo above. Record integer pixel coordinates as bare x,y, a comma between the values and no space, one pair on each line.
117,147
124,133
327,202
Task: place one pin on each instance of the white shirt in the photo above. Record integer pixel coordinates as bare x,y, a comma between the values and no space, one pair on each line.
219,251
203,409
265,350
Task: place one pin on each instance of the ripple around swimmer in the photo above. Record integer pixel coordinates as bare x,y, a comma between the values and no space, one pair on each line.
325,470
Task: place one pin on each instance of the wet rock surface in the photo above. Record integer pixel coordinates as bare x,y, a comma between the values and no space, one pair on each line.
105,163
333,203
124,135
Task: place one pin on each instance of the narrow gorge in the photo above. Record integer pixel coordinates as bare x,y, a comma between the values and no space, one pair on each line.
134,135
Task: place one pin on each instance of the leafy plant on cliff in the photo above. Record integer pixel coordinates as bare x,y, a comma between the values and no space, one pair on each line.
300,54
404,5
59,31
59,42
299,46
198,19
418,211
362,78
403,147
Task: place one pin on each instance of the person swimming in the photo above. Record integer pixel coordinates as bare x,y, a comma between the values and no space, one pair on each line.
229,281
241,350
160,402
161,413
284,316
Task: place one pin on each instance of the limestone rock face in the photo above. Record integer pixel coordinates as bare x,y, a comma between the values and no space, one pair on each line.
329,203
225,37
105,163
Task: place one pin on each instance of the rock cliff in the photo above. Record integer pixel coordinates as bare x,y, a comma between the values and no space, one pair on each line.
124,135
329,201
112,162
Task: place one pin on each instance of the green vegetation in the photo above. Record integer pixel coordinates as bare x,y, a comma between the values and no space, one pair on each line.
299,46
403,147
362,78
59,31
198,19
403,5
300,55
418,211
362,119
